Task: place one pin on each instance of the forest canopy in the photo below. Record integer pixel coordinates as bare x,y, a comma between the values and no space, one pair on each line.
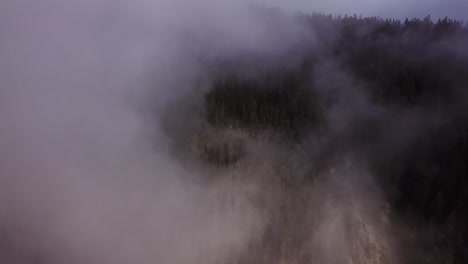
401,68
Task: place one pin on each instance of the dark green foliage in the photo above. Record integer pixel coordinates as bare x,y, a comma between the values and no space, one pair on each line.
278,102
405,62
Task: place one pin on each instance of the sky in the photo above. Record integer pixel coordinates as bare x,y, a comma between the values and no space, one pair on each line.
392,9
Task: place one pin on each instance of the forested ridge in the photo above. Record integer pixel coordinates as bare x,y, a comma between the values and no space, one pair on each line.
409,119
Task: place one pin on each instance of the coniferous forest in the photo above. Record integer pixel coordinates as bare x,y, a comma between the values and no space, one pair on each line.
393,93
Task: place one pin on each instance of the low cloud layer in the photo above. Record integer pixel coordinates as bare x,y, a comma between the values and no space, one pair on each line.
98,105
85,177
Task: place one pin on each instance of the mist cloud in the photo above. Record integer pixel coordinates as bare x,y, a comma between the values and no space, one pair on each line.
92,171
79,175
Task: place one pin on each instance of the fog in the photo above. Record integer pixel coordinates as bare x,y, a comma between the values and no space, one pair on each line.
85,177
89,172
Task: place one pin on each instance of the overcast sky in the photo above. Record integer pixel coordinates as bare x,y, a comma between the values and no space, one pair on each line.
385,8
